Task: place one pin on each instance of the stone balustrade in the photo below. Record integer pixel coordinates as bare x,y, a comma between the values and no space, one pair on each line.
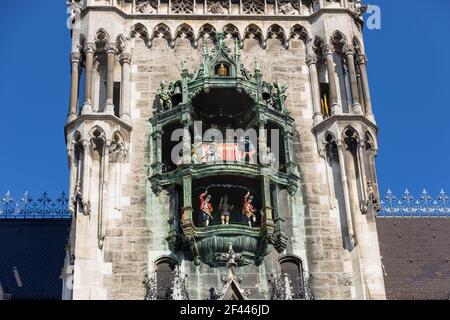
220,7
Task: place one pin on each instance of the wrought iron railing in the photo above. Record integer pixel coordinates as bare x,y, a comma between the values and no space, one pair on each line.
166,285
407,205
291,286
44,207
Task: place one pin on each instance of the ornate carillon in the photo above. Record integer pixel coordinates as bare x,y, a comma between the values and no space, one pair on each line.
246,141
242,183
97,135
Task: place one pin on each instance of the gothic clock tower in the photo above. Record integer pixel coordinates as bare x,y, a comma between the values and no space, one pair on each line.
221,149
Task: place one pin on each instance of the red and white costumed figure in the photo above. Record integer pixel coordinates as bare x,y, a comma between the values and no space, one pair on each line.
206,208
249,210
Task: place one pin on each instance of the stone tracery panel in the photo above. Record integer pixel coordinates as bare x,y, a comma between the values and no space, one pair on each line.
182,6
253,7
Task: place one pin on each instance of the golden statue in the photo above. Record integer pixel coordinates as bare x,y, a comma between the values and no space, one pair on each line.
223,72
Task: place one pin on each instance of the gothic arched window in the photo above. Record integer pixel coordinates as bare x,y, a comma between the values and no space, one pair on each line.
293,268
164,268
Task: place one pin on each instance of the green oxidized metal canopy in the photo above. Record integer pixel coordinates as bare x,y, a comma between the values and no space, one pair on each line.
222,69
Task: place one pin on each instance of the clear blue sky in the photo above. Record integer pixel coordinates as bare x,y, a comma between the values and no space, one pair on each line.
409,70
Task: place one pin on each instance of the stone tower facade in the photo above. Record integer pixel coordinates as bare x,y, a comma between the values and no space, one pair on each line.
162,209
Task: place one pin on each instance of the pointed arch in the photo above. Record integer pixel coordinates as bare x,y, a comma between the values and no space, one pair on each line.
140,31
121,43
98,141
232,30
101,37
77,144
329,137
338,40
97,132
275,31
162,31
298,32
185,31
318,44
254,32
207,29
118,147
357,45
369,141
350,133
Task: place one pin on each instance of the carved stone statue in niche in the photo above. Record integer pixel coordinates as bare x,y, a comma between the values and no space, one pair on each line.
249,210
206,208
225,210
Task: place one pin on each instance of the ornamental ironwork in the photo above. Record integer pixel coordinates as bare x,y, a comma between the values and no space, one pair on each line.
166,285
44,207
291,286
408,205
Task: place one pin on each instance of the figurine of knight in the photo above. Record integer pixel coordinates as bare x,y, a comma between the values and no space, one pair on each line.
225,210
249,210
206,208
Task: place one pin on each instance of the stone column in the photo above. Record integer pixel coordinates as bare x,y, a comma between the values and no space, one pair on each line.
187,145
291,167
360,91
157,145
103,194
267,219
328,52
125,99
89,50
187,201
262,143
362,62
363,172
344,181
349,52
111,51
86,175
311,61
72,175
75,61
